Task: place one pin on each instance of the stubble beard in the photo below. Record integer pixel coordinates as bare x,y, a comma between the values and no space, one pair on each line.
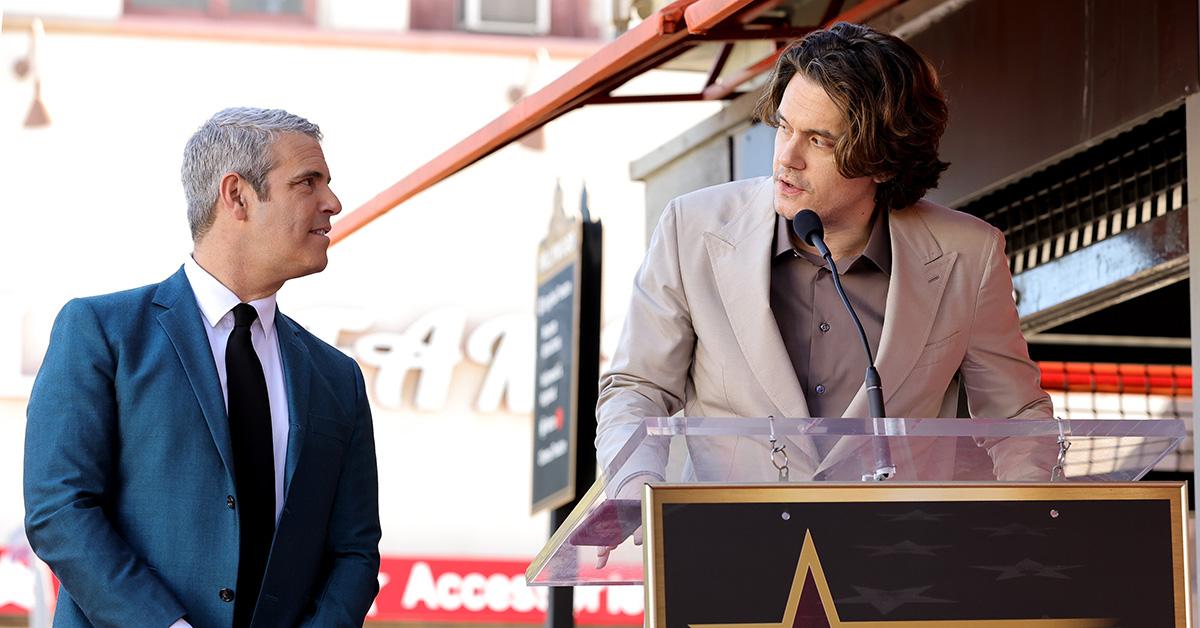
789,206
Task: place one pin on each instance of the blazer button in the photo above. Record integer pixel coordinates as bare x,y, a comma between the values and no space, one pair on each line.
226,594
229,501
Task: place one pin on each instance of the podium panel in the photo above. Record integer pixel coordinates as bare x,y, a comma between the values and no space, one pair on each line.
898,555
596,544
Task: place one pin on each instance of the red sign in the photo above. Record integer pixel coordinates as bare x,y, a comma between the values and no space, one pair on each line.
491,591
420,590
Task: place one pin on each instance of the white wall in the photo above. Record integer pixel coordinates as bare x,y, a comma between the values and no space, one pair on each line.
367,15
93,204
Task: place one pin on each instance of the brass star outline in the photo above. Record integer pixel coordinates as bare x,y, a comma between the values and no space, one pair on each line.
810,564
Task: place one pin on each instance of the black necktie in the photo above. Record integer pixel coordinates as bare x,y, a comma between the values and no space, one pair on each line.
253,461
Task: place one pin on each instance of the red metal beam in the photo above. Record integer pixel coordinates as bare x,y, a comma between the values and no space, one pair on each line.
707,14
660,37
864,11
655,34
860,13
755,32
645,98
602,93
718,65
726,88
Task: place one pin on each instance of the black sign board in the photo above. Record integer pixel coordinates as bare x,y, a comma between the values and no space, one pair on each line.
567,371
964,555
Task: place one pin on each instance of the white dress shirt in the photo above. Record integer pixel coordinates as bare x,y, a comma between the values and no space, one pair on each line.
216,309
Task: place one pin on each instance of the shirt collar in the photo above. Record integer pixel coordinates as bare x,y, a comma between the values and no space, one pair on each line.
215,300
878,249
782,243
879,246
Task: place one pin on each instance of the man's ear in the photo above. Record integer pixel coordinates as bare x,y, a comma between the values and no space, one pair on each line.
235,193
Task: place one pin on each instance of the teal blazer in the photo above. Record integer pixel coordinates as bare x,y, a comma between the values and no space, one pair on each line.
129,490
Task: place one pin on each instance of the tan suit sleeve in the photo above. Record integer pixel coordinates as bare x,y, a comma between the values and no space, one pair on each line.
649,370
1000,379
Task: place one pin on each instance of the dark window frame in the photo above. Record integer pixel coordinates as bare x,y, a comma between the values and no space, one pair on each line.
506,28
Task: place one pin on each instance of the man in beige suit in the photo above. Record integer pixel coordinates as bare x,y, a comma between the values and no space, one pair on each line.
733,316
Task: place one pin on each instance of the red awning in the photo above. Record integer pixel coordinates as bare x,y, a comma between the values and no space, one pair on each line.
1150,379
675,29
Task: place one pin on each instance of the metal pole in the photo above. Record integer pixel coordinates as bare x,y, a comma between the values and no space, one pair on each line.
1193,214
560,611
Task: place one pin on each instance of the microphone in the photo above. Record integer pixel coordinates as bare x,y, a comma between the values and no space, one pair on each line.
807,226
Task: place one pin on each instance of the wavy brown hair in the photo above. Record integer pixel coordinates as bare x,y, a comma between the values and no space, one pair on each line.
889,97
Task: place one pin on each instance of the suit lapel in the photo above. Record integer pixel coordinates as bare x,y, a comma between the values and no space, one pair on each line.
920,271
919,281
183,324
297,375
740,252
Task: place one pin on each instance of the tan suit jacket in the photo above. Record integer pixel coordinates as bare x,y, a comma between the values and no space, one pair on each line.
700,337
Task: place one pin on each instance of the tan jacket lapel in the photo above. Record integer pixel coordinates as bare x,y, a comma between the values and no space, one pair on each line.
740,252
920,271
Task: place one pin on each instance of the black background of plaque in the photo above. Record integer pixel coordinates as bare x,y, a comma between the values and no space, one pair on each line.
733,563
555,476
584,342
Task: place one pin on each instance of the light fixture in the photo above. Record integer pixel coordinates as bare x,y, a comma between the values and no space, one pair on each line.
38,115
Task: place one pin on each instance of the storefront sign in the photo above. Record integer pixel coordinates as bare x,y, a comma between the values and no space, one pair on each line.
419,590
567,354
431,590
433,348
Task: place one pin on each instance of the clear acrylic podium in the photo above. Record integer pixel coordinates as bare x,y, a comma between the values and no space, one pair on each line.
758,451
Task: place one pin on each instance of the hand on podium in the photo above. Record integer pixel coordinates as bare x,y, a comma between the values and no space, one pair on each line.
630,491
602,552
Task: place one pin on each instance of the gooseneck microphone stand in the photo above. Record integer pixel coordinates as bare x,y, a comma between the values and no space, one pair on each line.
807,226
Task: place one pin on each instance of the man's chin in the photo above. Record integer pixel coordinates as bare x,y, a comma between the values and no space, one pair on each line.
786,207
310,267
318,266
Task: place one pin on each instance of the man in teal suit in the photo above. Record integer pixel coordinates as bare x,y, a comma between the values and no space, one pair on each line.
193,457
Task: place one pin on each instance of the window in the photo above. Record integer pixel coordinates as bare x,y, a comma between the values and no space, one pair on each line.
523,17
275,10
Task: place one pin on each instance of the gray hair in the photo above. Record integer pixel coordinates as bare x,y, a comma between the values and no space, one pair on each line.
238,139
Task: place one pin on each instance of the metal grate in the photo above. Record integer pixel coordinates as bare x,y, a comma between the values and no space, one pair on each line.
1095,194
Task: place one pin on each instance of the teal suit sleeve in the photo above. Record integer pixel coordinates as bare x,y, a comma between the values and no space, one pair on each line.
354,532
71,441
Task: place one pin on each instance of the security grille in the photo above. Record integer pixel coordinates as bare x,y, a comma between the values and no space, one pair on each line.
1114,186
1090,391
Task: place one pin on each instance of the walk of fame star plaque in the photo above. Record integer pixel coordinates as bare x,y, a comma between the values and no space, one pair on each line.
904,555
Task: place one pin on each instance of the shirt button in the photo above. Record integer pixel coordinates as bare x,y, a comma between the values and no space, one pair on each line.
230,502
226,594
820,389
824,327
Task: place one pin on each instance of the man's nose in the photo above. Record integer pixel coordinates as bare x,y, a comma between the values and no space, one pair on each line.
792,155
333,205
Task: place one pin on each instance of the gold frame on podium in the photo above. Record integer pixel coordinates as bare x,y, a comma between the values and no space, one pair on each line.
656,496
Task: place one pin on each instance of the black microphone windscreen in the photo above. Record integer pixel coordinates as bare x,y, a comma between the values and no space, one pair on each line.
807,224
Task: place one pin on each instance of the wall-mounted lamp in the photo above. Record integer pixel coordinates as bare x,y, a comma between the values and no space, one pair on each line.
38,115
